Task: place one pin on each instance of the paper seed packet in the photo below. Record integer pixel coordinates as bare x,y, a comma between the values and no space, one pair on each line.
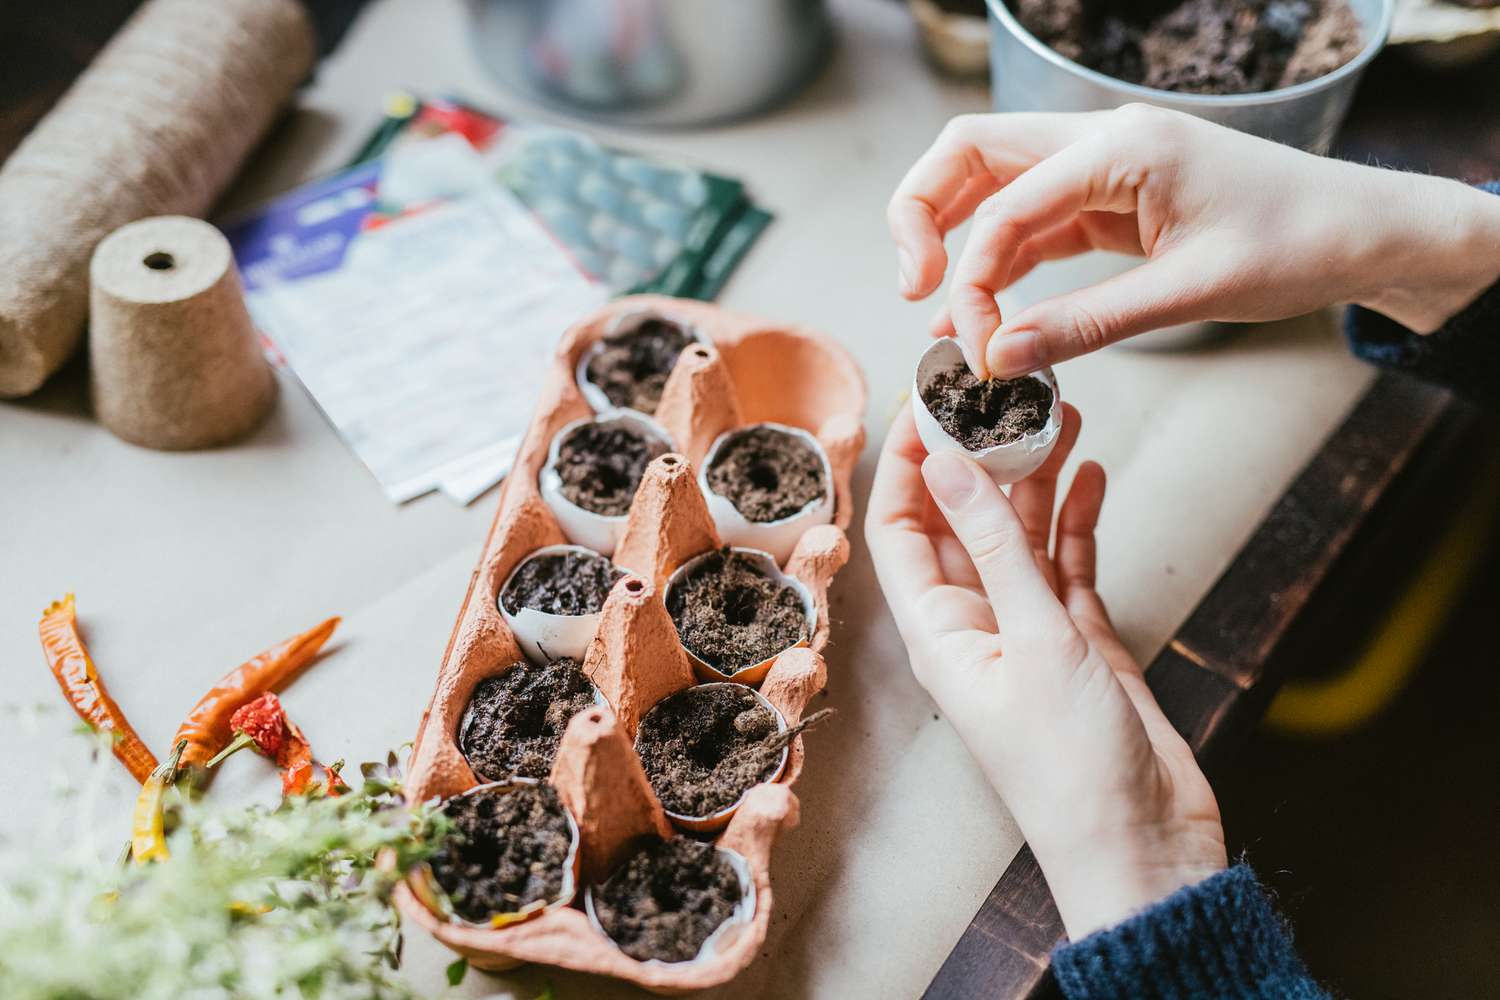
419,292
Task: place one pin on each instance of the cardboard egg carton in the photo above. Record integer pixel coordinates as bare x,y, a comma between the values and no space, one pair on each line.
747,371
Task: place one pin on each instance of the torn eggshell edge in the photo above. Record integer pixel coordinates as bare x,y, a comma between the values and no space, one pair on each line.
624,323
738,920
1005,463
583,527
544,636
714,822
755,673
777,537
425,887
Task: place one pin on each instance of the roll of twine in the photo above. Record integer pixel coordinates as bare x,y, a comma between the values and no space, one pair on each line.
174,362
157,125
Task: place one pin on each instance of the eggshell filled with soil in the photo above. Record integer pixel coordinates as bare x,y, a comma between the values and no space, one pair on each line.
593,468
782,478
702,754
628,367
754,604
563,632
721,939
1022,446
498,856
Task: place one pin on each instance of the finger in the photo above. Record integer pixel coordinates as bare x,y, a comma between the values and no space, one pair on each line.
1090,175
1034,496
942,324
972,157
1076,521
1175,288
905,560
995,539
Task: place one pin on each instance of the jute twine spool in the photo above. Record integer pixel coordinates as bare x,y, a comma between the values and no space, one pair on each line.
158,125
174,361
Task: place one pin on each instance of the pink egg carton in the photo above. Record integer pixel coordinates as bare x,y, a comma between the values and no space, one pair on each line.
742,370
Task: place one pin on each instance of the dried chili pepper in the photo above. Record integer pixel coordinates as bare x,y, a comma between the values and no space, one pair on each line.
208,728
263,724
83,687
148,836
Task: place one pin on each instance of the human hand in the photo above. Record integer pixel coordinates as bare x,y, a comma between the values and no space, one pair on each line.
1233,228
1009,637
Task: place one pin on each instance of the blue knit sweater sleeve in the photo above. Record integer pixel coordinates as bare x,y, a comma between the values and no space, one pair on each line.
1220,939
1464,354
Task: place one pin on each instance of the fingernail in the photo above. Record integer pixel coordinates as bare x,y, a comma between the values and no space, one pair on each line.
950,479
1011,355
908,269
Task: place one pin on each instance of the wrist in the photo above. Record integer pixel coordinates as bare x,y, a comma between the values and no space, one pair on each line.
1433,247
1101,880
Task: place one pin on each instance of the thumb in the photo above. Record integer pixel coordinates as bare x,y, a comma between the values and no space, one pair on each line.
1158,293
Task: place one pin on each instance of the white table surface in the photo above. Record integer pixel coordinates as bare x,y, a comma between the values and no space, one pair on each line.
186,563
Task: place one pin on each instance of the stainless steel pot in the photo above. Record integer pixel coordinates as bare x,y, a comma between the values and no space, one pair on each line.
1028,76
653,62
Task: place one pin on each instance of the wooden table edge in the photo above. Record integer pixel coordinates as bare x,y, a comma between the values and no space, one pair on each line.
1217,674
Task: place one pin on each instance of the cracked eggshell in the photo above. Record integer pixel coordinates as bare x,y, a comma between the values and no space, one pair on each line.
545,636
777,537
723,936
624,323
424,885
714,822
584,527
1005,463
755,673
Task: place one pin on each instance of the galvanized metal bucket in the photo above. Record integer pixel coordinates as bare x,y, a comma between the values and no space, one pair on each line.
653,62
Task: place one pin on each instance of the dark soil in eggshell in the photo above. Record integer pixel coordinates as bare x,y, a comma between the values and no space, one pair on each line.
704,747
601,465
515,720
508,848
561,583
980,414
1199,46
667,899
631,368
768,474
731,615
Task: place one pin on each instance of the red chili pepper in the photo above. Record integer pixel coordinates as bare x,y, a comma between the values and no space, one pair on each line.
263,724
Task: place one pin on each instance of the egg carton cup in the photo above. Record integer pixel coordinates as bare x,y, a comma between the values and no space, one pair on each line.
744,371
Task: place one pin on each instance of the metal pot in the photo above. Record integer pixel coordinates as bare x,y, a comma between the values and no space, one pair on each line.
653,62
1026,75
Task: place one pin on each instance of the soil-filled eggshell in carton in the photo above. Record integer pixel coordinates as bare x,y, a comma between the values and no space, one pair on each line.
743,371
544,635
1006,463
778,535
592,528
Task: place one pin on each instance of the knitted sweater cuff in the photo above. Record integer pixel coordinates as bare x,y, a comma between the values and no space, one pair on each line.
1463,354
1220,938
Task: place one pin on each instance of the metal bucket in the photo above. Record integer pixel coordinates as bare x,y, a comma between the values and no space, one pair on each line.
653,62
1026,75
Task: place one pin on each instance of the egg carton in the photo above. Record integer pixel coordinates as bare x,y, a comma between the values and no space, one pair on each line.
742,370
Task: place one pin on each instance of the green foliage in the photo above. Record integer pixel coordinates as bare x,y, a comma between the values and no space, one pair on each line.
253,903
